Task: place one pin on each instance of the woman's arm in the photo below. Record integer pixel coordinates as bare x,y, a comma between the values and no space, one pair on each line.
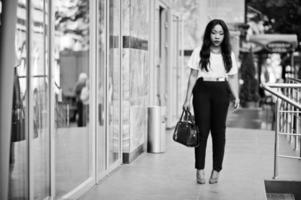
191,82
233,83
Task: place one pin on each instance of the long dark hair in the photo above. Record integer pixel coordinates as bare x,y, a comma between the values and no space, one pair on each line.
225,45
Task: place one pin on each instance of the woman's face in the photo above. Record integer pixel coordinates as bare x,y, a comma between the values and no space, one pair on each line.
217,35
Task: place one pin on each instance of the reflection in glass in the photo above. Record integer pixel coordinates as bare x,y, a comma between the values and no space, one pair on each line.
100,91
70,71
113,90
18,186
0,11
40,101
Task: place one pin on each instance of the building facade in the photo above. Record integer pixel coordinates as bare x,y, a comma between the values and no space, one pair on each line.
77,79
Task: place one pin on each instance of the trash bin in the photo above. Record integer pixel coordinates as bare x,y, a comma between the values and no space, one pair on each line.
156,125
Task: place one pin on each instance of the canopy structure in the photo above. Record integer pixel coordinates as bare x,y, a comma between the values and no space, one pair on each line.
275,43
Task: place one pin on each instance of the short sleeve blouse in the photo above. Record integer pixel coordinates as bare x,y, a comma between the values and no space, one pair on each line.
215,66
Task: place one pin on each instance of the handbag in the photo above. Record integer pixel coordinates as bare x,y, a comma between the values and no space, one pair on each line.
186,131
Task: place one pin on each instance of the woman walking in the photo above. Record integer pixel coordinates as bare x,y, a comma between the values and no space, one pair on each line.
213,70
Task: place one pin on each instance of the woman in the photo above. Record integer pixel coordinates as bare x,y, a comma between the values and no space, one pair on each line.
213,70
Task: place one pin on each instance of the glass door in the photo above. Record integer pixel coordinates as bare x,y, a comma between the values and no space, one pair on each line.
109,88
18,153
72,95
39,101
101,92
113,85
29,163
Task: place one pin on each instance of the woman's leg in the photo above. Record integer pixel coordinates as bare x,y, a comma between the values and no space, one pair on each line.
201,105
219,110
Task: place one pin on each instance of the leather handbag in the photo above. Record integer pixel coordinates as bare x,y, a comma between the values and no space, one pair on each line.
186,131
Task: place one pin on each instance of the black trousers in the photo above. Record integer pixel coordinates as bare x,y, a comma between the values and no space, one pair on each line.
210,103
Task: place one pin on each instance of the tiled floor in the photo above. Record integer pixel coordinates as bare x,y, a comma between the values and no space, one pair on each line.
171,175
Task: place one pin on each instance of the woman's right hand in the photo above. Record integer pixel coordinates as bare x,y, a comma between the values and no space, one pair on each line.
186,105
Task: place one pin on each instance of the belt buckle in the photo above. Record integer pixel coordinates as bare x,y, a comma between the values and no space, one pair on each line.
219,78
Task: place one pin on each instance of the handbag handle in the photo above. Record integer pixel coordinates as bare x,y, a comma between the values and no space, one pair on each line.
187,115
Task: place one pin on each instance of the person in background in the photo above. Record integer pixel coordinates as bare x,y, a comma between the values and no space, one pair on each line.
81,83
84,97
212,79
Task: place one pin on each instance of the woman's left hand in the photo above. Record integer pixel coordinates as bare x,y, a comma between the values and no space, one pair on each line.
236,104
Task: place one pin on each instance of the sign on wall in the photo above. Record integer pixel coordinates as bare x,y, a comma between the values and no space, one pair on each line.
275,43
231,11
279,47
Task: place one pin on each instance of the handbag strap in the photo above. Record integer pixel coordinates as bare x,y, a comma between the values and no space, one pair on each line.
182,115
188,115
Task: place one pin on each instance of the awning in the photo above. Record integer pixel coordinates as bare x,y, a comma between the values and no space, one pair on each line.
275,43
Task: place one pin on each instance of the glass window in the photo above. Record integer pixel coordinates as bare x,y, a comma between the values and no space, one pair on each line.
101,89
40,100
72,94
113,89
0,11
18,185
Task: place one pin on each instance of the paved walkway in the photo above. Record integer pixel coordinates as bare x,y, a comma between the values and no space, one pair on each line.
171,175
253,118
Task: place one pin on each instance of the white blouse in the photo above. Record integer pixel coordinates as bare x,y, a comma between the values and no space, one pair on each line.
216,67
